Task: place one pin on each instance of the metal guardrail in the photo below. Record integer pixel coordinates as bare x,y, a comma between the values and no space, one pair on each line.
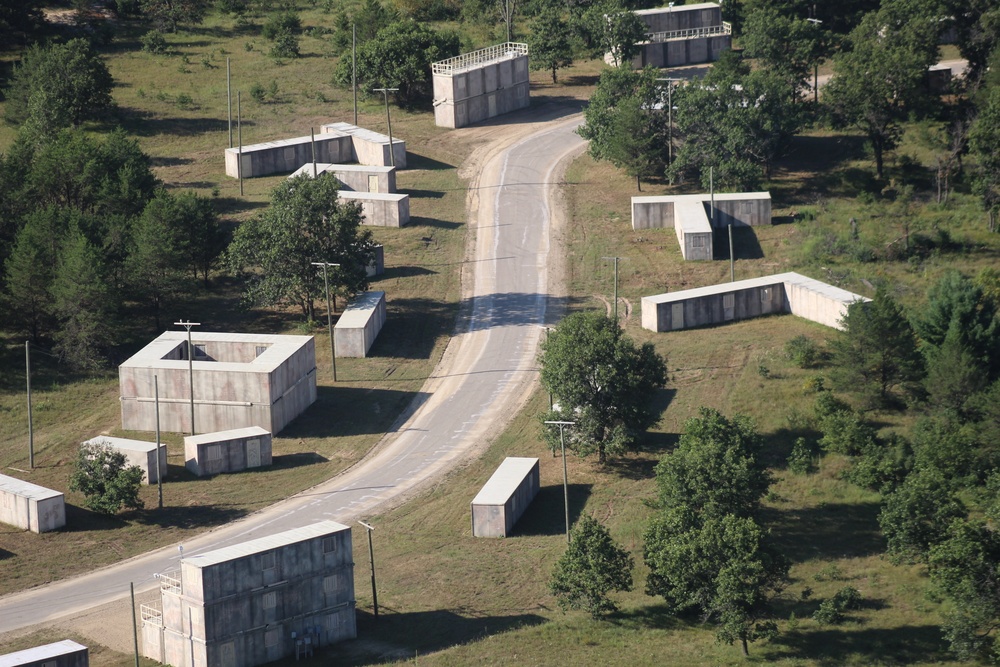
725,29
151,615
171,582
490,54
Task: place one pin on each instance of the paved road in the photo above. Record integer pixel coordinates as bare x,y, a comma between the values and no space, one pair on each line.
487,368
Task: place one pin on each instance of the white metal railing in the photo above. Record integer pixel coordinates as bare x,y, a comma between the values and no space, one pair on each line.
490,54
170,582
725,29
151,615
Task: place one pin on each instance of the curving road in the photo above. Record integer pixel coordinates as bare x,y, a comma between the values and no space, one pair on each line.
487,368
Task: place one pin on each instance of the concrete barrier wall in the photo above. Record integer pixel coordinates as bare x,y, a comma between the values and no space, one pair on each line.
505,497
682,51
286,155
31,507
478,93
66,653
681,17
694,233
139,453
751,209
227,451
691,217
360,324
782,293
381,210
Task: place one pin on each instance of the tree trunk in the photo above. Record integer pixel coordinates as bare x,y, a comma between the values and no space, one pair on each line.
877,149
553,75
638,183
743,645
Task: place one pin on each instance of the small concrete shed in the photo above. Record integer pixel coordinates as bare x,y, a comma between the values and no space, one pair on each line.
381,209
227,451
31,507
360,324
66,653
505,497
137,453
356,177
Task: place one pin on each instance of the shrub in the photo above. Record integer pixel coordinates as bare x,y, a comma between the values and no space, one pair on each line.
828,614
831,612
153,42
101,475
286,45
800,460
802,351
184,101
283,23
258,93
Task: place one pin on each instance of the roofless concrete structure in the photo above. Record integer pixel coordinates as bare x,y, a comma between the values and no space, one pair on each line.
239,380
478,85
716,304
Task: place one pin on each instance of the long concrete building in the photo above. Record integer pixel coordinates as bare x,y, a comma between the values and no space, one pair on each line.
505,497
31,507
239,380
66,653
479,85
716,304
255,602
683,35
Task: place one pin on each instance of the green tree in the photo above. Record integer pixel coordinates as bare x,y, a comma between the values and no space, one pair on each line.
201,238
602,381
878,79
108,484
725,570
966,568
609,27
28,273
156,264
58,85
787,44
984,137
977,24
306,222
20,19
876,352
400,56
171,14
550,42
592,566
958,309
916,516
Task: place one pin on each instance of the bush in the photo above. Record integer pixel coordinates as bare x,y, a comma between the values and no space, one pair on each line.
101,475
286,45
278,25
831,612
258,93
802,351
800,461
828,614
154,42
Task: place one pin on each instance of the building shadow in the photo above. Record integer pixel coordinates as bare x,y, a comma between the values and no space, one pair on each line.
5,554
392,272
413,327
142,124
420,221
335,413
745,243
818,532
546,515
190,516
417,161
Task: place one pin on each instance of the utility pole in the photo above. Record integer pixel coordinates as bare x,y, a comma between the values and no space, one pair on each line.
551,402
670,116
312,144
732,257
229,100
239,131
329,317
371,559
562,444
385,93
31,429
354,70
190,353
135,627
711,189
816,22
159,473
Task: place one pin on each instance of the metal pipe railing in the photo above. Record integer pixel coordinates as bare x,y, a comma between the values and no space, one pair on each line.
707,31
482,56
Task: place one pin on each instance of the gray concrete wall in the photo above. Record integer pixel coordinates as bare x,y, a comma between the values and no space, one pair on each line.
478,93
377,267
702,311
287,155
369,147
227,451
680,17
66,653
740,212
145,459
498,520
360,324
36,510
682,51
381,210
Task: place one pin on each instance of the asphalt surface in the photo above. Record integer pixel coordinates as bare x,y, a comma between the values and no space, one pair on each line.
488,367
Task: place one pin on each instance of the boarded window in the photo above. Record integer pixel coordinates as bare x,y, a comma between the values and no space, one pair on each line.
270,599
259,350
267,561
48,663
331,584
329,545
697,241
748,207
214,453
272,637
765,295
728,300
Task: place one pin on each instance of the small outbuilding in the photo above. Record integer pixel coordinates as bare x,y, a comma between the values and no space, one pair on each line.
137,453
505,497
227,451
66,653
31,507
360,324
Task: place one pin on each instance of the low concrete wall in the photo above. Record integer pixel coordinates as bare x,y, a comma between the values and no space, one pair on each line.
137,453
227,451
285,155
360,324
682,51
31,507
369,148
716,304
66,653
357,177
381,210
681,17
505,497
694,233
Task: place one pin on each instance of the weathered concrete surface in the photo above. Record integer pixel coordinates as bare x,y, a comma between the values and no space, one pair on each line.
357,177
227,451
30,507
369,147
381,209
284,155
505,497
360,324
137,453
66,653
479,85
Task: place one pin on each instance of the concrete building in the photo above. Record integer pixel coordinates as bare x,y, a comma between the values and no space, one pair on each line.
505,497
356,177
716,304
475,86
360,324
137,453
694,217
255,602
31,507
240,380
381,209
377,267
227,451
66,653
368,147
683,35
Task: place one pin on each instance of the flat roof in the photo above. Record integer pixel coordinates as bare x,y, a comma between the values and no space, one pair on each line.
702,197
678,8
262,544
124,443
281,143
39,653
792,278
279,349
479,58
358,311
373,196
347,129
219,436
691,217
505,480
26,489
324,167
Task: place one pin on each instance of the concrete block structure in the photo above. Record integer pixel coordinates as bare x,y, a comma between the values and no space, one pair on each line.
478,85
381,209
240,380
255,602
356,177
359,324
693,217
368,147
938,78
377,266
683,35
31,507
66,653
137,453
716,304
227,451
505,497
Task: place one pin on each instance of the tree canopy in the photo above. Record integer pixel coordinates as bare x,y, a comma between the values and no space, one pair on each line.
108,484
591,567
602,381
550,42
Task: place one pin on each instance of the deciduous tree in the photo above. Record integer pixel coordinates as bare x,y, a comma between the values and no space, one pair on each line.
592,566
549,42
610,27
108,483
915,517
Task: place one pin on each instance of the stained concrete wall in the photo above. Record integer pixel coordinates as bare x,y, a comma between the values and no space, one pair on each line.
357,177
285,155
505,497
483,89
716,304
30,507
377,266
137,453
360,324
66,653
227,451
270,391
381,210
681,51
681,17
369,148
